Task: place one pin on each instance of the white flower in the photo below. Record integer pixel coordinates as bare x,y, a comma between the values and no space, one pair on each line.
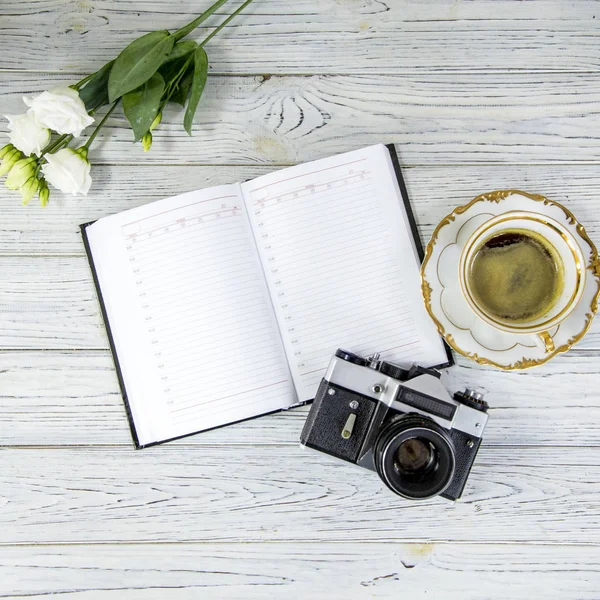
60,109
69,171
26,134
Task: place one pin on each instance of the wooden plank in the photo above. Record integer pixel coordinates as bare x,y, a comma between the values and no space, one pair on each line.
51,303
336,37
510,118
284,570
283,493
398,10
434,191
72,398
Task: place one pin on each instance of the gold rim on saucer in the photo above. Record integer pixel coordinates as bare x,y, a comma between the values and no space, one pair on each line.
593,267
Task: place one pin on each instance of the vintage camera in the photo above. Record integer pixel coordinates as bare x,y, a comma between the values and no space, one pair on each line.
403,424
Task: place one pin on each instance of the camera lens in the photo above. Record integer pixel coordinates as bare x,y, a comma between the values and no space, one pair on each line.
414,456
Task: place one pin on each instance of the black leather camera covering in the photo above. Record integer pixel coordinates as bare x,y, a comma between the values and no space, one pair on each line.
465,451
328,415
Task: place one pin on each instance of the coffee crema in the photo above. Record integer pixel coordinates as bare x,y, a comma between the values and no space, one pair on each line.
515,276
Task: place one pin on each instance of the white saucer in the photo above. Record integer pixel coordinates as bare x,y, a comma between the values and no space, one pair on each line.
460,326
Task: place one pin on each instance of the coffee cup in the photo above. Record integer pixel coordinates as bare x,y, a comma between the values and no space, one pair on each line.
522,273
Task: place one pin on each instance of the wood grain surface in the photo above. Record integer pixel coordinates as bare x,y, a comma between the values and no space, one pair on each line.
478,95
434,191
435,119
286,493
75,401
256,571
335,36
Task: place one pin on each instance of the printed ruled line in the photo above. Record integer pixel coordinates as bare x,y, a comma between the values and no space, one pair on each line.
307,174
315,371
310,192
184,376
302,207
265,400
180,242
178,208
178,272
401,346
190,399
233,395
183,222
181,385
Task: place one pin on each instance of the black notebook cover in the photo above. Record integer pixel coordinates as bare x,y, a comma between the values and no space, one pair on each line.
414,230
84,226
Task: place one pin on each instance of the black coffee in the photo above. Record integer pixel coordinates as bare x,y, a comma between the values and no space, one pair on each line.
515,276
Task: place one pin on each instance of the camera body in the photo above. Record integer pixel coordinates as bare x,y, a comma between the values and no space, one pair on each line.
403,424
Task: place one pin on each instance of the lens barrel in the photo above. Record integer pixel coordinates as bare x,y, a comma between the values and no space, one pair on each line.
414,457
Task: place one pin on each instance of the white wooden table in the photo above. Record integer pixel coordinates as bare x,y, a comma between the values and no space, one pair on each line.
478,95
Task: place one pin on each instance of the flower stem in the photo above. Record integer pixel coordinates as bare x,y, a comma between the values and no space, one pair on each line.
181,33
225,22
175,82
53,145
100,125
78,85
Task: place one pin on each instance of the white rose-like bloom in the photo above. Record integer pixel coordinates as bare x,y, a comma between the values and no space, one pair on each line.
69,171
60,109
26,134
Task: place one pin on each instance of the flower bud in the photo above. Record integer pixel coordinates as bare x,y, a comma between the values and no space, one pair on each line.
9,160
20,173
5,150
156,121
44,193
29,188
147,141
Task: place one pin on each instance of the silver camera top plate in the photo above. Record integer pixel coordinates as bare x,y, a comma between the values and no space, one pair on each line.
369,382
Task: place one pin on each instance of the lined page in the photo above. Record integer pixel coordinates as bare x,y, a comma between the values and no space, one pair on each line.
190,314
341,263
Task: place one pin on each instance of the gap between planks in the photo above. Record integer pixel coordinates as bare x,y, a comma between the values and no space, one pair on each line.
200,542
184,445
344,73
440,165
6,350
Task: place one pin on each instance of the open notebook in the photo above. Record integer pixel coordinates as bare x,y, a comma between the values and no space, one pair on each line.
228,303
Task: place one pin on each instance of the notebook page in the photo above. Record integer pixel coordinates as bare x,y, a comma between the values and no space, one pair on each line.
341,263
189,311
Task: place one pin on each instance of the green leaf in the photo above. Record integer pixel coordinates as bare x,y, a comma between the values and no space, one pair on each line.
181,49
141,105
182,91
176,62
138,62
170,71
95,92
198,83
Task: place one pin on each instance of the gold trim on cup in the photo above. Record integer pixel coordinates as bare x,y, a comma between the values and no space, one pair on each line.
497,196
548,341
